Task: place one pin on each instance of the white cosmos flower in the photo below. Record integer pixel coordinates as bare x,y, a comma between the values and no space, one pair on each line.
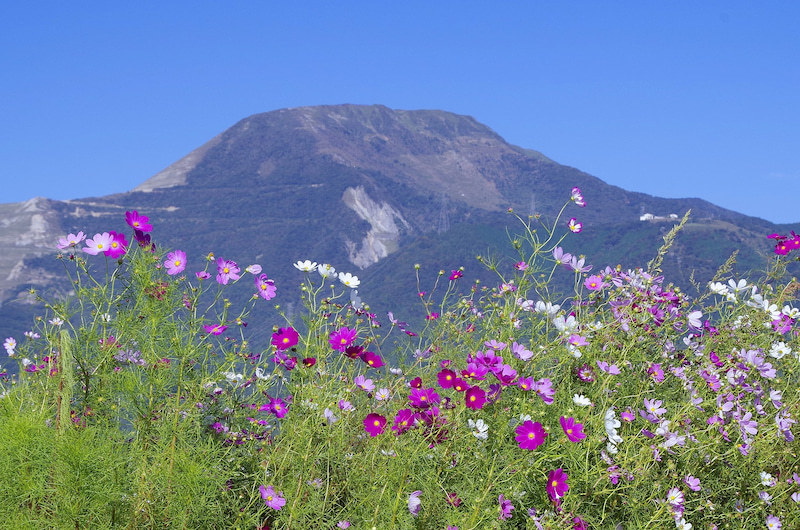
479,429
349,280
565,325
791,312
611,424
581,400
739,286
233,377
548,308
306,266
326,271
718,288
779,349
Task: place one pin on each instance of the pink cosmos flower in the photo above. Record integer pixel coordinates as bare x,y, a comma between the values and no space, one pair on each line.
176,262
521,352
573,430
99,243
557,484
545,390
215,329
226,270
363,383
71,240
285,338
594,283
454,275
475,398
138,222
272,498
530,435
692,482
577,197
560,256
505,508
342,338
612,369
266,287
773,522
278,407
574,226
414,503
520,265
202,275
374,424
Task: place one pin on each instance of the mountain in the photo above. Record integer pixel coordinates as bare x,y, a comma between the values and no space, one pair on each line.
372,191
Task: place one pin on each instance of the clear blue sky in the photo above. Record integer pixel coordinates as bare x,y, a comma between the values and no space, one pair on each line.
675,99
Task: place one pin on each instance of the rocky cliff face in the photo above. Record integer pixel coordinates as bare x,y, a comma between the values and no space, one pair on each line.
27,229
383,236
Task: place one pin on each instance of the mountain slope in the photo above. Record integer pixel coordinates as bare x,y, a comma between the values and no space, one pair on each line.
370,190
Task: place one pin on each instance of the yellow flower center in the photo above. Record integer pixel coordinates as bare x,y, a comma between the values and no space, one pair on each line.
177,263
226,270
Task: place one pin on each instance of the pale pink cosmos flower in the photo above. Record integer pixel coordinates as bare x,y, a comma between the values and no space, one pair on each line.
272,498
99,243
176,262
71,240
574,226
226,270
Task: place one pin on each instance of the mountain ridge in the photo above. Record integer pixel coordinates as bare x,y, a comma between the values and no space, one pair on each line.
358,185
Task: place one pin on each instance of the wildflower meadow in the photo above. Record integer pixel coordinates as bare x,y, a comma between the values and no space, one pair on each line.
142,400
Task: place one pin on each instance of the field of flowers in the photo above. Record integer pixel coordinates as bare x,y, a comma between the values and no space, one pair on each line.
142,402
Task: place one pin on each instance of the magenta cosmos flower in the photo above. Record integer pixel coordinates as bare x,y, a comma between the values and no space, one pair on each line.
530,435
216,329
342,338
176,262
372,359
266,287
475,397
573,430
272,498
374,424
403,421
422,398
557,484
285,338
138,222
446,378
226,270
